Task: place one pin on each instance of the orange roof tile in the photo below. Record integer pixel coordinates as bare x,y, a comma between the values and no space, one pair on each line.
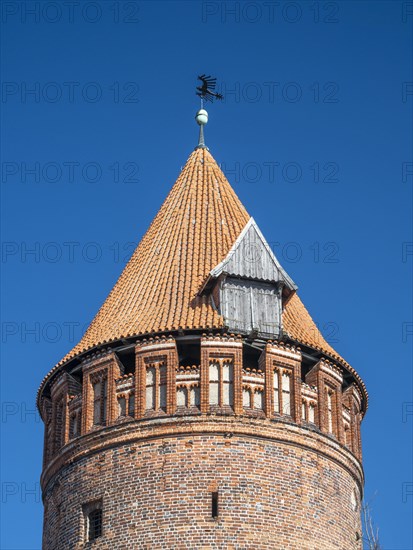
192,233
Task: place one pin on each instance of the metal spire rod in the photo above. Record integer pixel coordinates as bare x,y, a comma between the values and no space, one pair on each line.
201,140
205,92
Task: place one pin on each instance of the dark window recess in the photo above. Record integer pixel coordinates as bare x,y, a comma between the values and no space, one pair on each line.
122,406
72,426
189,353
100,391
131,405
59,426
93,518
94,524
214,505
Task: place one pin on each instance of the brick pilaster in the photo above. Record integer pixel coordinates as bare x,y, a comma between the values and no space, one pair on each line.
47,416
328,377
156,350
106,365
352,400
287,358
221,347
204,379
59,400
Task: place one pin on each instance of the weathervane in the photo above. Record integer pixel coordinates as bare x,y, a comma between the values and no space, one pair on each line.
206,93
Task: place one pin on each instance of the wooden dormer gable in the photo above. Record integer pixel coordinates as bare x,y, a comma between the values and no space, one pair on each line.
249,287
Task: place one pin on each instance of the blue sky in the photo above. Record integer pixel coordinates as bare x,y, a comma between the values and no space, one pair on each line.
98,113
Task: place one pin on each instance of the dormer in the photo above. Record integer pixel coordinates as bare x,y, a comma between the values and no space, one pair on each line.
249,288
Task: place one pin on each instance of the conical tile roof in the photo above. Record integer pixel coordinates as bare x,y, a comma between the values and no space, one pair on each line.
192,233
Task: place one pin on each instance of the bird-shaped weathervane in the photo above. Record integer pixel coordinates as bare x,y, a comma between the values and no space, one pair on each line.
205,92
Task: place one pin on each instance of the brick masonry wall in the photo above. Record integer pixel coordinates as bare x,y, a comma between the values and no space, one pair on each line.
280,486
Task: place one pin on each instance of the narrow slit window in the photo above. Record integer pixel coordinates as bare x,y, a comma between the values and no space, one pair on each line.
131,405
73,426
330,411
49,441
121,406
96,402
150,387
100,393
214,505
311,413
214,384
227,389
162,387
246,398
59,433
104,400
347,435
286,393
194,396
276,392
181,396
258,399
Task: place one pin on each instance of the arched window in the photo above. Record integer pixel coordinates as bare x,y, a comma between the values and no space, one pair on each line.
131,404
150,387
99,402
330,411
221,378
227,380
122,406
156,387
304,415
282,391
214,384
162,387
276,391
74,425
181,396
311,412
258,399
58,425
194,400
246,398
286,393
93,515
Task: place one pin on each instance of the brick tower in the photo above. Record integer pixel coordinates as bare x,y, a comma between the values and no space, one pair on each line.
202,408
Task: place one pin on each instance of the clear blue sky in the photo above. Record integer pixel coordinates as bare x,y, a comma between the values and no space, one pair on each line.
315,137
